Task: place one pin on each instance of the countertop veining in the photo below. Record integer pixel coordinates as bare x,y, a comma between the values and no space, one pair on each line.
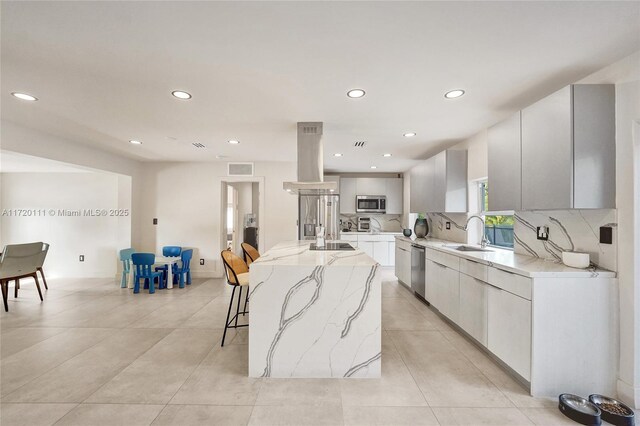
507,260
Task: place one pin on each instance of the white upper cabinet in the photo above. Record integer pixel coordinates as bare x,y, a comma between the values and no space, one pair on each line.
505,165
568,150
394,193
370,186
347,195
439,184
389,187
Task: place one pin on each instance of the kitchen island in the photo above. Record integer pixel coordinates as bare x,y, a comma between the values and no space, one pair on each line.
314,313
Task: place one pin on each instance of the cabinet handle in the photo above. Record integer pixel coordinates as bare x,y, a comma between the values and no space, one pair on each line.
491,285
439,264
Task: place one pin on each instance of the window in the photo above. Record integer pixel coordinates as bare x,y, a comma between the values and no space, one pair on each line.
498,225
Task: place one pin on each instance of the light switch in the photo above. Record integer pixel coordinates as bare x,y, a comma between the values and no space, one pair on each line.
448,225
202,261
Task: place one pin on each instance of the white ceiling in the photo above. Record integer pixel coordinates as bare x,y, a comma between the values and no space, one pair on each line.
103,72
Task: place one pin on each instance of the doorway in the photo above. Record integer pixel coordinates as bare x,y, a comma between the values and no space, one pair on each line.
242,213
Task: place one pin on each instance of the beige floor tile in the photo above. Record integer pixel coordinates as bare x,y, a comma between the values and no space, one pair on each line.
325,392
480,416
203,415
24,366
172,314
396,387
15,340
81,315
387,416
295,416
547,416
157,375
511,388
79,377
399,314
111,415
443,374
221,379
213,315
32,414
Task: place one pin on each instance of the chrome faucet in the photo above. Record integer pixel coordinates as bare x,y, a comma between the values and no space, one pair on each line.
485,241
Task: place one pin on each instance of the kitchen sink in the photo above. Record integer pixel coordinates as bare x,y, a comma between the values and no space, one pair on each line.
465,248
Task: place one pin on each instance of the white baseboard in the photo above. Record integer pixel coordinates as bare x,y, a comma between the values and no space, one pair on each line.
628,394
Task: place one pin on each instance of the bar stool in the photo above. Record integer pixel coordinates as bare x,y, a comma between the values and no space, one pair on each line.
237,273
250,253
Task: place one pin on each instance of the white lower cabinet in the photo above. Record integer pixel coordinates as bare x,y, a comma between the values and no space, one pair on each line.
443,289
381,252
403,264
366,246
473,307
509,329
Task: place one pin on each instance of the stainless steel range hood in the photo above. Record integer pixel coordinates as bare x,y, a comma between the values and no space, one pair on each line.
310,163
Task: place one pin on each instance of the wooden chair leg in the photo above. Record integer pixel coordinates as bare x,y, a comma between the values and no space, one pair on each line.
5,294
35,277
44,280
226,322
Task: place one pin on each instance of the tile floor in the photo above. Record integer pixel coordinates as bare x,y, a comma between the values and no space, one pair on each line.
95,354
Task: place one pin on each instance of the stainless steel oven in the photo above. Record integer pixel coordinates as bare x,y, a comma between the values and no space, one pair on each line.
371,204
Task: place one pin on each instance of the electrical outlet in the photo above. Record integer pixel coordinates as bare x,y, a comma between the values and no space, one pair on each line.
202,261
448,225
606,235
543,233
155,220
82,258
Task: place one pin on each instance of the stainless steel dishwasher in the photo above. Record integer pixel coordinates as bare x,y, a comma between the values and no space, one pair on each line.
418,270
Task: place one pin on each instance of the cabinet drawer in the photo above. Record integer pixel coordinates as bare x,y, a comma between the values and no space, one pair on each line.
445,259
513,283
404,244
474,269
348,237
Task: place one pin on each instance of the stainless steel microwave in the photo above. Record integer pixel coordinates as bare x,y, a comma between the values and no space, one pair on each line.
371,204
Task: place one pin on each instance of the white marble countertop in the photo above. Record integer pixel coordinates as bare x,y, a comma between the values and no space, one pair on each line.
371,233
297,253
507,260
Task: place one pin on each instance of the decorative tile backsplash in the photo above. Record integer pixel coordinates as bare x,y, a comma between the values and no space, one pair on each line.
379,222
569,230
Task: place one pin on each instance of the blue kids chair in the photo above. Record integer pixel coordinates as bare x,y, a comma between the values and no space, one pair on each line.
185,269
168,251
143,263
125,257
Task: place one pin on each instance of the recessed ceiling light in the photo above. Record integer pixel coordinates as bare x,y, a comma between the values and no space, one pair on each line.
337,154
386,155
452,94
233,142
24,96
355,93
409,135
135,142
374,167
181,95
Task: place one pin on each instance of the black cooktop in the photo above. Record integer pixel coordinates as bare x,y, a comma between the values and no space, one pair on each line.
332,247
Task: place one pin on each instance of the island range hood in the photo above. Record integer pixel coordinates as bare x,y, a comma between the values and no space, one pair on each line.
310,163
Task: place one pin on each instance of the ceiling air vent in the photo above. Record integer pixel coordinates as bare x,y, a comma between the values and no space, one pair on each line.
360,144
240,169
198,145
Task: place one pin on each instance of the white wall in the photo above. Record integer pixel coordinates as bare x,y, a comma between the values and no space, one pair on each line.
185,197
17,138
96,237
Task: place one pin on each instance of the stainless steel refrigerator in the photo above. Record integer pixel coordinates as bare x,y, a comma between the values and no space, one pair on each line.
316,210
